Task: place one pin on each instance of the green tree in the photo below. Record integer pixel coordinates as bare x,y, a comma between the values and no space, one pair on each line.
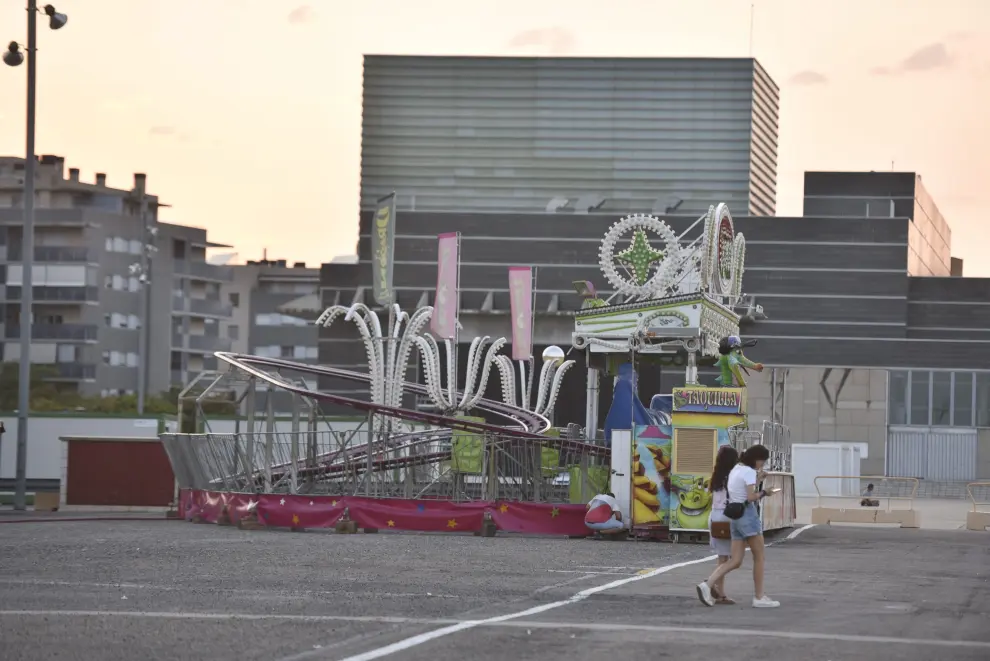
42,392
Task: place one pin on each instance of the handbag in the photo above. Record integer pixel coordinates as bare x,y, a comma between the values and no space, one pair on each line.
734,511
721,530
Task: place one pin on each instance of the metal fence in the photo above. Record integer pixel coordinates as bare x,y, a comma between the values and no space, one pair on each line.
457,466
936,454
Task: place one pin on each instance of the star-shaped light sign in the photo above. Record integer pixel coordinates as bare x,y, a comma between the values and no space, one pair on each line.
391,523
554,513
452,523
503,508
640,256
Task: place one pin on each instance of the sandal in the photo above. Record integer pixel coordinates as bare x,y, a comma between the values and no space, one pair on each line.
721,598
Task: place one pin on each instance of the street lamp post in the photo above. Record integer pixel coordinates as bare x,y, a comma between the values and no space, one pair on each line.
14,57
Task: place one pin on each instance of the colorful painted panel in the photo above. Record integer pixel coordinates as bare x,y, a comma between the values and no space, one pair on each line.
690,500
651,475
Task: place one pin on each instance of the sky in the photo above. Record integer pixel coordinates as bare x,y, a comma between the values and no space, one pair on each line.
246,114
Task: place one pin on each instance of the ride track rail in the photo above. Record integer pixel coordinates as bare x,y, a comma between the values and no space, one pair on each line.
532,424
339,462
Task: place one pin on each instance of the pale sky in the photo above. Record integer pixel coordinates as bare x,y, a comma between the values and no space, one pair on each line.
246,116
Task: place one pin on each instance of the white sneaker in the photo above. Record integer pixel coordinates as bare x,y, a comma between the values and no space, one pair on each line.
705,594
765,602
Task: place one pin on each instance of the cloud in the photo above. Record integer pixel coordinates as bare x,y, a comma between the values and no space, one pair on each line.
161,130
556,40
301,15
808,78
933,56
927,58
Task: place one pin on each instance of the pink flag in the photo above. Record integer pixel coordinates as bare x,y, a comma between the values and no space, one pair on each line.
444,322
521,311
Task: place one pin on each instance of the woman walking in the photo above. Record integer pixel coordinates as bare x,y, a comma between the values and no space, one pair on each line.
719,524
746,530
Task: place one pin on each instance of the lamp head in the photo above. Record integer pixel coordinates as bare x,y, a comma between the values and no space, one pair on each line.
13,56
553,354
56,20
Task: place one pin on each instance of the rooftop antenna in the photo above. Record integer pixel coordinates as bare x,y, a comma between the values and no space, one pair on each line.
264,254
752,13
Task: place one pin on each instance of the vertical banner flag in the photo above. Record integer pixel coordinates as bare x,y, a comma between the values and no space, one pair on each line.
521,311
444,322
383,249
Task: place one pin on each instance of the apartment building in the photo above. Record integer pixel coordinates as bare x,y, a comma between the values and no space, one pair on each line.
87,283
271,316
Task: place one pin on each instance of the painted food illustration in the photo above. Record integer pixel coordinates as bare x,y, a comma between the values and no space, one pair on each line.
646,492
694,506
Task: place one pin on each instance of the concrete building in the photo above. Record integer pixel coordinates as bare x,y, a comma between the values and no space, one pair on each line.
87,311
272,313
887,195
857,349
528,134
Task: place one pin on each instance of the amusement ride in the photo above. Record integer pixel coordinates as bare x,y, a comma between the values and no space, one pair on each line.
463,462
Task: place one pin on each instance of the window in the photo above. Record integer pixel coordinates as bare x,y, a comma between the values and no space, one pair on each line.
116,358
108,319
983,399
118,282
312,352
897,409
920,382
109,248
108,282
263,320
286,351
235,299
132,360
66,353
962,399
106,359
133,322
233,332
119,244
178,249
941,398
134,247
298,352
133,284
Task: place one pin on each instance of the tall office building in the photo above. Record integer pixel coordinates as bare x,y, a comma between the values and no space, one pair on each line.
87,297
524,135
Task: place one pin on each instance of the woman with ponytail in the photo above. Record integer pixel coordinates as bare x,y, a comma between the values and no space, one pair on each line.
745,526
719,525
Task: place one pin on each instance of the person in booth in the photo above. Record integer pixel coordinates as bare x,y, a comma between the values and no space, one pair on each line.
604,516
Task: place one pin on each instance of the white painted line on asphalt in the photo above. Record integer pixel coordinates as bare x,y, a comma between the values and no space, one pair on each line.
799,531
40,582
592,573
504,621
761,633
250,617
419,639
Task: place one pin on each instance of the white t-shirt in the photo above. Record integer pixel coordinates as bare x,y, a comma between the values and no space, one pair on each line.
604,499
739,478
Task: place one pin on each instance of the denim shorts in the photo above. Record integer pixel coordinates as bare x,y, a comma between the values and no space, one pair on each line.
748,525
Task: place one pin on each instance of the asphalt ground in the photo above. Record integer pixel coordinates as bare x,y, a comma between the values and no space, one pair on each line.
144,590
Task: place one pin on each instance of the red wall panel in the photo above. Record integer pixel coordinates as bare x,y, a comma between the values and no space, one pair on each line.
118,474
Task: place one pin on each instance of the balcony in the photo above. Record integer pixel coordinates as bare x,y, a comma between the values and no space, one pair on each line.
65,332
203,271
57,294
208,343
59,254
207,307
73,372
